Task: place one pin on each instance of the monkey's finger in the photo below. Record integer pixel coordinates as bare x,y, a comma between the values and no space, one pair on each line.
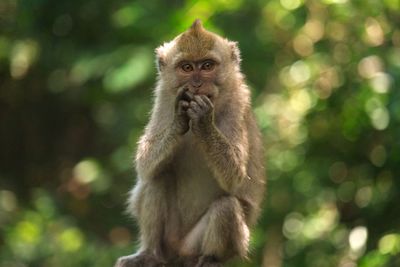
191,113
196,109
184,105
179,97
181,93
187,95
208,101
182,90
200,101
195,106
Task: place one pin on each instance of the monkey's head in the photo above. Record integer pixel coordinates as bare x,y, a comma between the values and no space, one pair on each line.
202,61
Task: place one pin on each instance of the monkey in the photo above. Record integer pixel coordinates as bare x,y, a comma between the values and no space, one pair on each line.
200,161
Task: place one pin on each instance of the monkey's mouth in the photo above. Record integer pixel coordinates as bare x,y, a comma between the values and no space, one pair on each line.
190,93
211,95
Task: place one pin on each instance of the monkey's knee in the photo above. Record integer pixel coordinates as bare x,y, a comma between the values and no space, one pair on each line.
227,233
135,198
148,205
146,197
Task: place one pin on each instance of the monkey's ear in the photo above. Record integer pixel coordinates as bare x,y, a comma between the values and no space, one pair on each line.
160,63
235,52
160,58
162,53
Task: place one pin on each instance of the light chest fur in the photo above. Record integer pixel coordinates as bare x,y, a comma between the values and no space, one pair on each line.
196,186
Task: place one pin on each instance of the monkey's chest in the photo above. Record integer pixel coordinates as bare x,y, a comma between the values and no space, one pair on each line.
196,186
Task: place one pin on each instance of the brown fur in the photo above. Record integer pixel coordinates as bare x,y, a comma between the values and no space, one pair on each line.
196,41
199,163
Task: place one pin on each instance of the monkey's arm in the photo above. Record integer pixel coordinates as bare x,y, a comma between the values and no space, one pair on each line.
227,152
227,159
154,150
162,135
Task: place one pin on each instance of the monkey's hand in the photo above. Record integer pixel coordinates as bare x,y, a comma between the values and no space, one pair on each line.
201,112
181,118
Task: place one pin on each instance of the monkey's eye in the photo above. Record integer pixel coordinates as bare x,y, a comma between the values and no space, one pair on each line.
208,65
187,67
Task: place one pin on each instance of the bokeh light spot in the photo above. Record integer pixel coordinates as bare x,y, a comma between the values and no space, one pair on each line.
28,232
8,201
389,244
71,240
378,155
303,45
380,118
363,196
381,82
314,29
126,16
374,35
370,66
293,225
358,238
132,72
87,171
291,4
23,54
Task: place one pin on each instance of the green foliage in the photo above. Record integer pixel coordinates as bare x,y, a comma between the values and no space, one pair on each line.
76,86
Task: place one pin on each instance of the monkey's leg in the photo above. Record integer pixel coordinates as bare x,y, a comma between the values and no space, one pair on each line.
149,204
220,234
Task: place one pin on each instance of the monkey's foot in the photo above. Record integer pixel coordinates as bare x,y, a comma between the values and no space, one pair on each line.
140,260
208,261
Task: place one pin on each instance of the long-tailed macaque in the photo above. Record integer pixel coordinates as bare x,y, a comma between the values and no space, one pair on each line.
200,161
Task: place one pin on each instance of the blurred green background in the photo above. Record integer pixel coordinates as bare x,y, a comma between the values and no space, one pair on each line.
76,81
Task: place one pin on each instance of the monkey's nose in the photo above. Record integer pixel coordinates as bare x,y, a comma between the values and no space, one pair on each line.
196,84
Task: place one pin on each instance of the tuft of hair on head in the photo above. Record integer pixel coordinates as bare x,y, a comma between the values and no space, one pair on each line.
197,26
197,30
196,41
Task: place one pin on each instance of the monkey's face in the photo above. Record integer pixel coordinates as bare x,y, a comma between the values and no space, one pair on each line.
198,60
199,76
